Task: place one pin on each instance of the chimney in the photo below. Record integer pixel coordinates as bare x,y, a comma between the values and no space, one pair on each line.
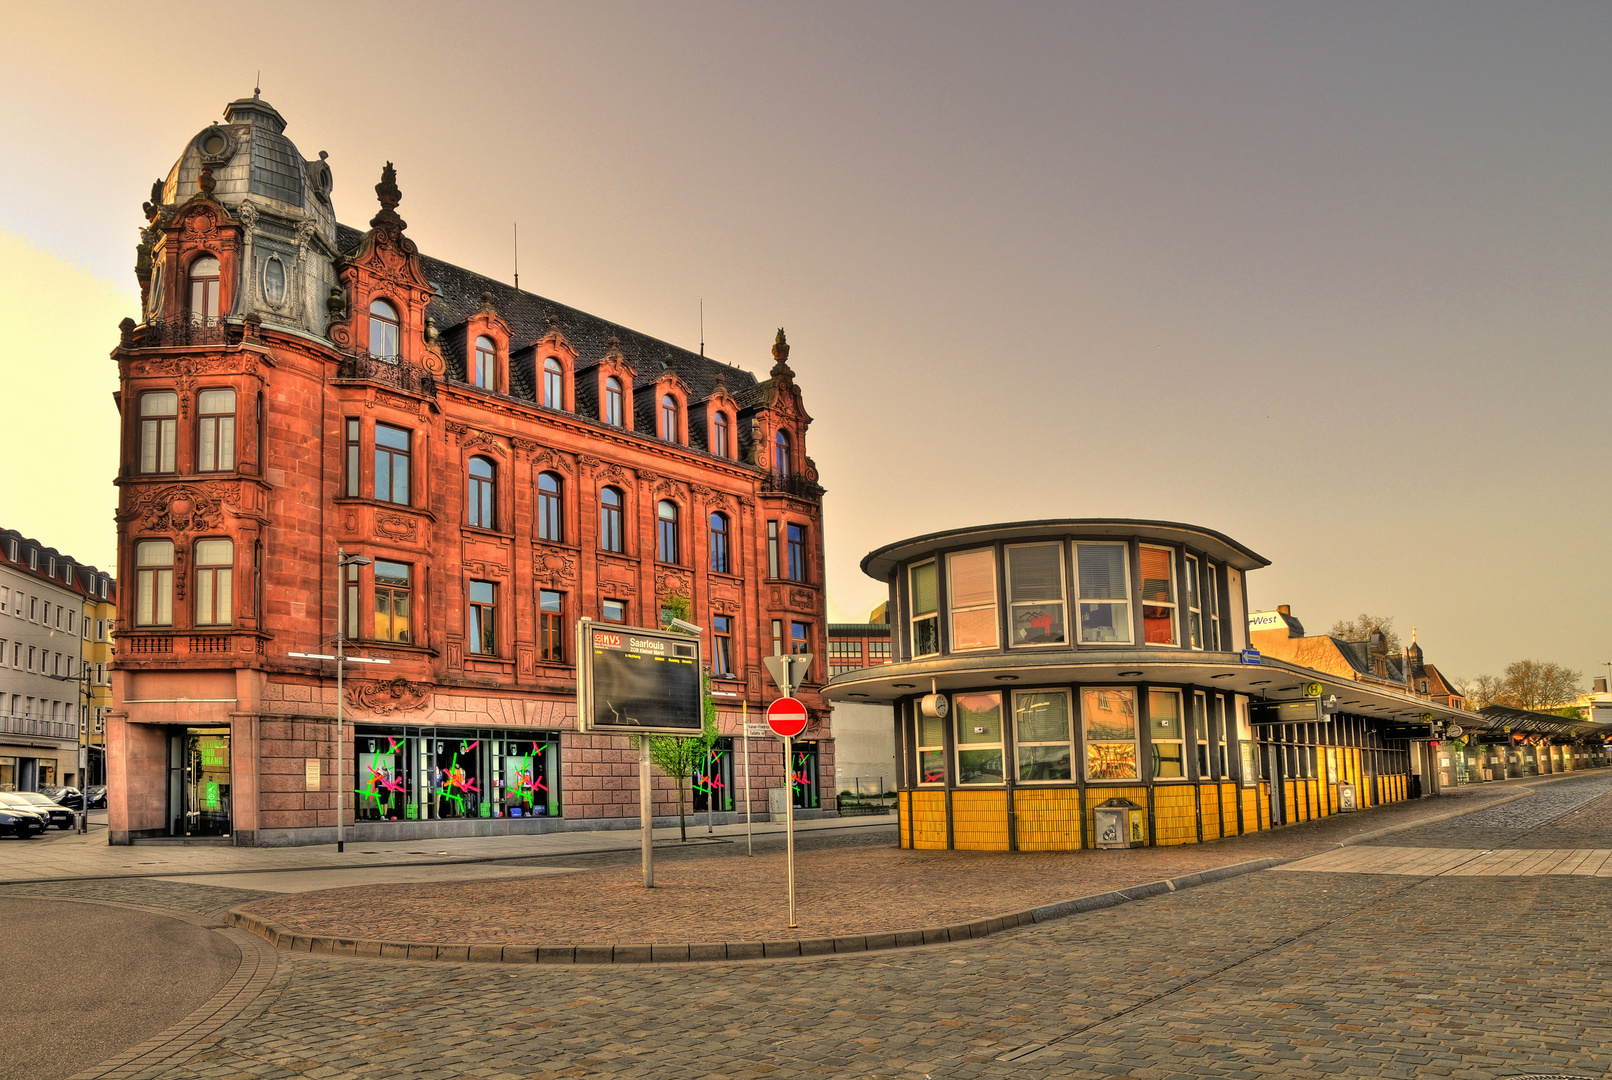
1285,609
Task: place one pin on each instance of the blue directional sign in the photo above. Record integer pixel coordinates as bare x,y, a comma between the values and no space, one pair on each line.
1250,656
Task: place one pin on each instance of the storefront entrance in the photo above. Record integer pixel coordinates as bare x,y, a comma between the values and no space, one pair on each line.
803,775
198,782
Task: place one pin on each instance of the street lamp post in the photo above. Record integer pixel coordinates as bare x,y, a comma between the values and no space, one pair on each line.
83,740
343,560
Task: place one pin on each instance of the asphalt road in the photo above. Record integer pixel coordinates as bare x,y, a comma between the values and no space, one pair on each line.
83,982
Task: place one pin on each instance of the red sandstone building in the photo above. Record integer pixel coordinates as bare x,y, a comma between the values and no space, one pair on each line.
504,463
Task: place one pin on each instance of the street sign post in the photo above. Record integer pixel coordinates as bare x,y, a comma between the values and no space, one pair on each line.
787,717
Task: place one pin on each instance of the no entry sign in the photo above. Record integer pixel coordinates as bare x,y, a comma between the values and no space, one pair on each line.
787,717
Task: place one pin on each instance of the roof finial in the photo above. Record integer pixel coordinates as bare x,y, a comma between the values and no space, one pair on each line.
389,195
257,91
780,353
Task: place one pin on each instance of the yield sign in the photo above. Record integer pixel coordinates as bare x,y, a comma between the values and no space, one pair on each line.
787,717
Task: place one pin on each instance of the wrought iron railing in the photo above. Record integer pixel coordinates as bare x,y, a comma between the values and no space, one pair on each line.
391,371
792,484
186,330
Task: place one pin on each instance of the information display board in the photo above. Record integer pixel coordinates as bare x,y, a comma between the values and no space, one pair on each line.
1304,711
633,680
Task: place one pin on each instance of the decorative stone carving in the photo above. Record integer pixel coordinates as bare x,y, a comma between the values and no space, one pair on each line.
485,441
554,567
485,569
182,508
394,696
803,599
396,526
671,581
455,431
548,459
612,473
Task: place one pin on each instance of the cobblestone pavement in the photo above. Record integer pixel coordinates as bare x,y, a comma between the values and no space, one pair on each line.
141,892
851,885
1279,975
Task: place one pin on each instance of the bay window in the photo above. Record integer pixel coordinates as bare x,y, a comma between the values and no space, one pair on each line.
796,541
393,596
1104,582
159,430
972,579
215,431
215,561
154,583
392,464
1035,594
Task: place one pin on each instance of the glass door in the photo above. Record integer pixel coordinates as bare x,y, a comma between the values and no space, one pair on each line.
803,776
199,782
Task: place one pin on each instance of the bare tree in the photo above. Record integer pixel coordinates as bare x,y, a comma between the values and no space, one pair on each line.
1362,626
1539,684
1481,692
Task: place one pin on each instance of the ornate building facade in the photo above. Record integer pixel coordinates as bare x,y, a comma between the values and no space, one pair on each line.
494,465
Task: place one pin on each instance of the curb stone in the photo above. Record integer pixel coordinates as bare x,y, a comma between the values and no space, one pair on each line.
706,952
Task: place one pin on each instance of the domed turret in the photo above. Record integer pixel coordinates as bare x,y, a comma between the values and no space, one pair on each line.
281,199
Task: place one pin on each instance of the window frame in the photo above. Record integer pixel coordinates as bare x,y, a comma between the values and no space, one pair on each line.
722,647
1192,587
223,425
393,454
212,286
159,435
554,383
1173,604
667,548
721,434
914,617
613,404
1179,740
795,549
717,540
484,363
393,591
551,626
1061,601
481,619
154,585
782,453
1125,599
960,746
611,533
353,458
668,425
1211,602
935,751
1088,744
953,610
1070,741
481,494
214,585
551,508
391,318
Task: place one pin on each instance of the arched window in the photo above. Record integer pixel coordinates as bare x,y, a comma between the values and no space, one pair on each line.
382,329
609,520
483,371
719,543
613,410
719,435
668,418
204,288
215,563
550,525
780,454
553,383
483,493
666,532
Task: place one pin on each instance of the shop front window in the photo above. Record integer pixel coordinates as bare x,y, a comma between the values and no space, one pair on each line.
1109,717
1041,734
979,738
712,779
456,779
803,776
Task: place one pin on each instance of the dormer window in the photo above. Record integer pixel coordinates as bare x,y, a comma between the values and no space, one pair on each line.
613,402
553,383
780,453
483,369
719,435
383,330
668,418
204,285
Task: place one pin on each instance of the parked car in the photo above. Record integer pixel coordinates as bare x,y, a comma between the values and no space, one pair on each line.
70,797
59,815
97,794
20,819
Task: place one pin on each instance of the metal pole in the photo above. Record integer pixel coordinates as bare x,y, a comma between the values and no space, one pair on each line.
336,781
647,810
749,846
789,819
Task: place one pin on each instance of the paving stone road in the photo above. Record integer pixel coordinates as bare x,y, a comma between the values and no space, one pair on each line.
1286,974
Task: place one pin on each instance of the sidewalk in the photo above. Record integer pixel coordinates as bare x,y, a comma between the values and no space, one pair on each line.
848,898
71,857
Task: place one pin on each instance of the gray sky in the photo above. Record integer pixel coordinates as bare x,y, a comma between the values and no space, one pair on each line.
1331,279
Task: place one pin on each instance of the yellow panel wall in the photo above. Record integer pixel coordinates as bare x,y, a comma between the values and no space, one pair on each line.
928,826
979,820
1209,808
1228,802
1175,814
1048,819
1252,814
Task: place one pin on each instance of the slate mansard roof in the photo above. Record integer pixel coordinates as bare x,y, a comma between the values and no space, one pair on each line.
526,314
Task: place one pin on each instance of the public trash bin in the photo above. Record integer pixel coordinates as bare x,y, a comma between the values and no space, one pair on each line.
1346,797
1120,824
